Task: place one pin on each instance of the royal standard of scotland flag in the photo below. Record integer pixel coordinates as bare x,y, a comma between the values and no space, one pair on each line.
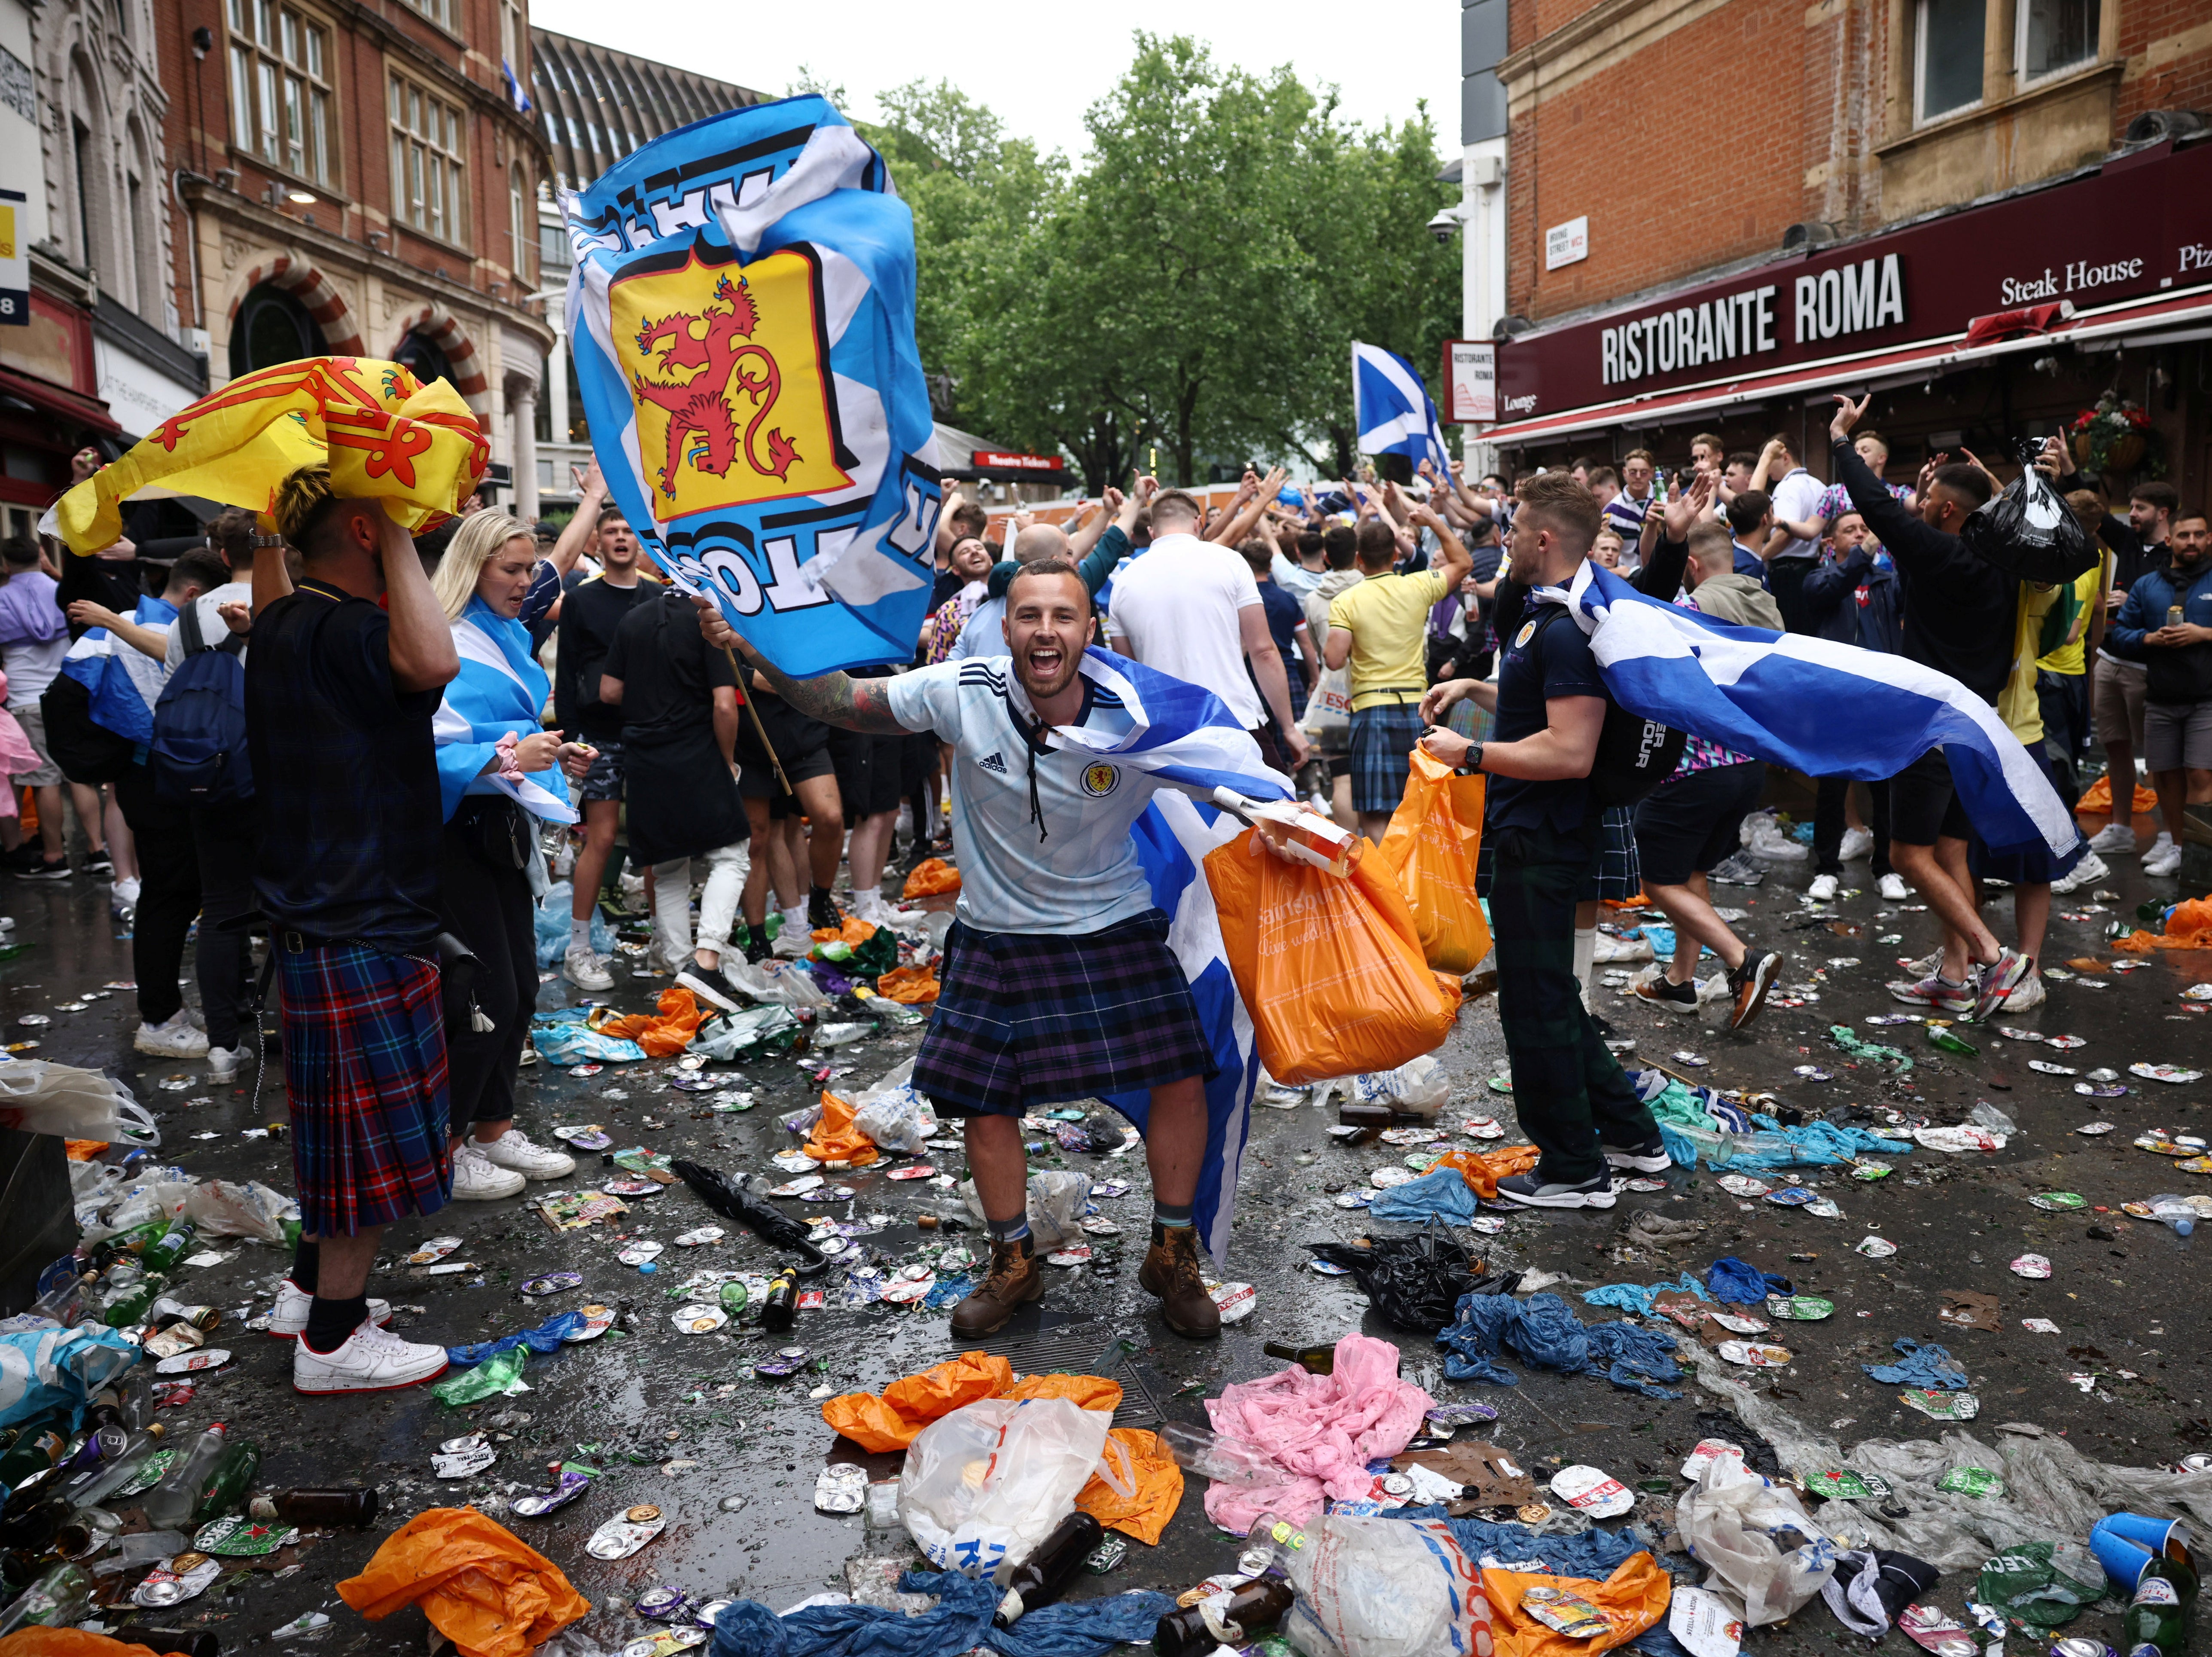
741,313
1825,708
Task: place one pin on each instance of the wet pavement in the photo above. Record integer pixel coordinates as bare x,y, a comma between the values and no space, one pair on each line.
678,1421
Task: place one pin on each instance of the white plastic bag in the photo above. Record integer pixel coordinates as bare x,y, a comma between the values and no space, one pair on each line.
785,983
37,1096
221,1209
1760,833
1057,1199
1327,722
894,1115
984,1485
1419,1085
1384,1587
1760,1546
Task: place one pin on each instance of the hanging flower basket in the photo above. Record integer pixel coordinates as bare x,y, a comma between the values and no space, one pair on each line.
2112,437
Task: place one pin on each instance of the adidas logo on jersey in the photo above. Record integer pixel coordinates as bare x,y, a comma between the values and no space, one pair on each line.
993,762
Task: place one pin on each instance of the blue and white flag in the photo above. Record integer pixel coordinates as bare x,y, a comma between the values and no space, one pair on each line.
1390,406
741,313
501,690
122,683
1823,709
1184,736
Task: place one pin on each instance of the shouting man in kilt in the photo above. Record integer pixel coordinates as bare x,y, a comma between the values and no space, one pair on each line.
1058,981
340,696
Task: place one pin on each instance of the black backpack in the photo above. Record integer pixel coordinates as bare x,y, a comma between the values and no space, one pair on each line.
198,753
1635,755
87,751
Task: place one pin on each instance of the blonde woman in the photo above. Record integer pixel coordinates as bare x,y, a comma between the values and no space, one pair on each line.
491,758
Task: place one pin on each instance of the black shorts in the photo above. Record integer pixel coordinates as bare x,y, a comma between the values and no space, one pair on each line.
1924,804
1690,823
867,772
801,744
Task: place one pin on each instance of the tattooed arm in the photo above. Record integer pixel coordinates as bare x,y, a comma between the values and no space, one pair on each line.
856,704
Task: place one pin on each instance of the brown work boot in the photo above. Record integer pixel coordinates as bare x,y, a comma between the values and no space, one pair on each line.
1015,1279
1171,1271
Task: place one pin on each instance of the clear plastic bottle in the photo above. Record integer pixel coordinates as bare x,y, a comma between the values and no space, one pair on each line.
96,1483
1224,1460
2175,1211
170,1503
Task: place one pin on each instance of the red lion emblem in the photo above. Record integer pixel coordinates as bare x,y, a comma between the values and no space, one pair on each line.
704,404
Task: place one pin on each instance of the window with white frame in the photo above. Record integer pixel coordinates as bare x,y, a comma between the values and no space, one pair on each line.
2054,35
280,89
1948,45
428,148
439,12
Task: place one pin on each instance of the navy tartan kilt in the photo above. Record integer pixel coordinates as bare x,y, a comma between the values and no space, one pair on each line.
1618,874
1028,1019
1383,738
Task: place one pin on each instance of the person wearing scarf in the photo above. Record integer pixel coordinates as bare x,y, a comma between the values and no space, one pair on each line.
491,753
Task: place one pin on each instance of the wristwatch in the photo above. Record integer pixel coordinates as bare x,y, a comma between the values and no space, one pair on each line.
1471,765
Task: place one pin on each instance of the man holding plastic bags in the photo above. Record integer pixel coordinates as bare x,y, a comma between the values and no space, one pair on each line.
1058,982
1542,824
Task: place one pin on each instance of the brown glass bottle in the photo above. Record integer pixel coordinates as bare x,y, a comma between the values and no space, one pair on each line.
1315,1359
1191,1633
351,1505
1039,1579
780,1306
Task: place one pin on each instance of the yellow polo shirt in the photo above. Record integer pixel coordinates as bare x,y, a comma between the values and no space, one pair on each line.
1387,617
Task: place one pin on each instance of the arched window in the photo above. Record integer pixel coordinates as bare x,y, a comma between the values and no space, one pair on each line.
521,224
89,157
424,357
143,185
272,328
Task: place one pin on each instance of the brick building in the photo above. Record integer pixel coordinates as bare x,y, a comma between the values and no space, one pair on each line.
1718,211
361,177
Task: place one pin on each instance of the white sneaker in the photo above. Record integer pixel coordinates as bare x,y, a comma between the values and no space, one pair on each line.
290,1316
794,938
1857,843
515,1153
1930,963
2164,842
372,1360
1892,888
224,1061
477,1180
2028,993
2091,868
587,970
175,1038
2113,836
1823,889
2160,862
122,895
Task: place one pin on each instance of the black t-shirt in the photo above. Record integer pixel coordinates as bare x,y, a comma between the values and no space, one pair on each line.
589,616
1541,660
345,775
667,671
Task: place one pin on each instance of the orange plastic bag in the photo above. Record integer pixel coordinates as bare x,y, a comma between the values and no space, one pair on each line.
1330,970
477,1583
36,1641
914,985
912,1401
2098,801
1431,844
662,1033
835,1139
1159,1489
83,1150
1084,1392
932,877
1482,1170
855,932
1632,1599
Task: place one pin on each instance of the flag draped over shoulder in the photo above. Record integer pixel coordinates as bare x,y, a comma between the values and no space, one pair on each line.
384,434
1825,708
498,690
741,313
122,683
1391,408
1183,734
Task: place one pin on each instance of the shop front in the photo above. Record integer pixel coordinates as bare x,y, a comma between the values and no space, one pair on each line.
1977,328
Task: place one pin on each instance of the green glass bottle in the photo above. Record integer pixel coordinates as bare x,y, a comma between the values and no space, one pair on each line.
171,1246
128,1308
2157,1623
227,1486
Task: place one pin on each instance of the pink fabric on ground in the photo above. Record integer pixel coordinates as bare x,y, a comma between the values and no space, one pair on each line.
1323,1431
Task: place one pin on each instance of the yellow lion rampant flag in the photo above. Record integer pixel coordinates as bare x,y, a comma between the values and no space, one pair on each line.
383,433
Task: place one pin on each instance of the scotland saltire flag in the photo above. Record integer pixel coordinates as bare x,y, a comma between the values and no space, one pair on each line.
121,682
1823,709
1391,408
499,690
741,313
1184,736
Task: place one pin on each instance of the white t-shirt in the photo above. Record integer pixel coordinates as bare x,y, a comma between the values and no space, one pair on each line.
1176,604
1796,499
214,630
1084,875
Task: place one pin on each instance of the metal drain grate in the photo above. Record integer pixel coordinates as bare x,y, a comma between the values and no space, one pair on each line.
1074,1348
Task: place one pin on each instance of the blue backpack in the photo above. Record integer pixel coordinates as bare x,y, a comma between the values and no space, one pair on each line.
198,753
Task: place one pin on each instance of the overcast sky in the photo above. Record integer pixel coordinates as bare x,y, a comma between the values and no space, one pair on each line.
1039,80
